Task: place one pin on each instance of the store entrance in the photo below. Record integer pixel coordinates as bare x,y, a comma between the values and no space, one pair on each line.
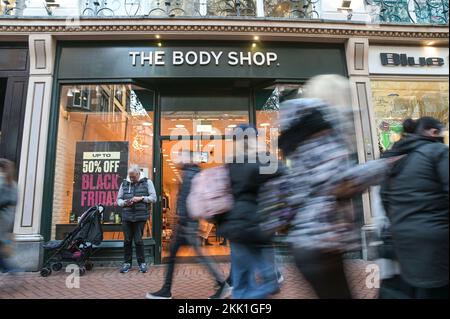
172,175
198,122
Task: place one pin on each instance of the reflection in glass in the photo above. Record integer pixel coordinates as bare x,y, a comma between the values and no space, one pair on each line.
395,101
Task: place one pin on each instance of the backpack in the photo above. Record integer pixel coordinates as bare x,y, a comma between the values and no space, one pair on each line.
210,193
274,212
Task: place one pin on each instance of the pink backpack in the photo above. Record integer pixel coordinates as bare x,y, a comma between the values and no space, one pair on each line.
210,193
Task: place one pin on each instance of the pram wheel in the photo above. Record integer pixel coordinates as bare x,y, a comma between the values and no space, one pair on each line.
89,265
45,272
82,270
57,266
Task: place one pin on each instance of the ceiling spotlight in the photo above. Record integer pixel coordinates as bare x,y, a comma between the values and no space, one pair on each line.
253,45
256,38
158,36
159,44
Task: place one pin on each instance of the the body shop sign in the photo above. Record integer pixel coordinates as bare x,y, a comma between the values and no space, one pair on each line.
232,58
134,60
408,60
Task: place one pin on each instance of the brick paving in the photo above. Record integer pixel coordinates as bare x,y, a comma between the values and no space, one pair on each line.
191,281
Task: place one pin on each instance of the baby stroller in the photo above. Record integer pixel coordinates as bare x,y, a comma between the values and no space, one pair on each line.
78,246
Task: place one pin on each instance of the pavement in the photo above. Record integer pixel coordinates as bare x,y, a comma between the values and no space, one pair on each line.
191,281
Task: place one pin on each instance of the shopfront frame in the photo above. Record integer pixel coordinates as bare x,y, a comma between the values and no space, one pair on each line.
155,241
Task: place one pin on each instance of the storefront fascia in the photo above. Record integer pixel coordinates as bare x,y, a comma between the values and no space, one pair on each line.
405,82
137,63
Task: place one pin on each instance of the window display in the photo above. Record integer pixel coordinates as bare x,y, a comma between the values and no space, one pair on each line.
102,130
395,101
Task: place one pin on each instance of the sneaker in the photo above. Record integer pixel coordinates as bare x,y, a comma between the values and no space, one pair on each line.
143,268
125,268
161,294
280,278
223,292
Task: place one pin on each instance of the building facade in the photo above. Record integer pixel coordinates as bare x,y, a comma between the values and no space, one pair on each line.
109,83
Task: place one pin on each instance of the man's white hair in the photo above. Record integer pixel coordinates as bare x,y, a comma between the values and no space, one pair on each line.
134,168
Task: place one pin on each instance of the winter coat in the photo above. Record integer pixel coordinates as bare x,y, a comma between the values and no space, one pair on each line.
319,160
8,201
415,198
140,211
242,223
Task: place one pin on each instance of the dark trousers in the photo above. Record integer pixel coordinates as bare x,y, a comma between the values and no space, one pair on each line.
133,232
4,267
187,236
397,288
324,272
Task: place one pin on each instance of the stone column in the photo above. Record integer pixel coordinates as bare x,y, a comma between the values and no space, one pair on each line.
357,52
27,226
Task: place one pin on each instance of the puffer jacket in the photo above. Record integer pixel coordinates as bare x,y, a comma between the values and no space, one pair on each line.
137,212
415,198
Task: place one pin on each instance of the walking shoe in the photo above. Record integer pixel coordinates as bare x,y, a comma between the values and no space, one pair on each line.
223,292
125,268
280,278
143,268
161,294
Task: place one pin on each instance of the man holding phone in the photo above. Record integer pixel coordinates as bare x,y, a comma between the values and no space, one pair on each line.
135,195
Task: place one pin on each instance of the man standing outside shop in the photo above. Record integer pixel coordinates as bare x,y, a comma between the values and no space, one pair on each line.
135,195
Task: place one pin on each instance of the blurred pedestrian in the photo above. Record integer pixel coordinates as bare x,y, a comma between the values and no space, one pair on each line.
316,138
135,195
252,254
187,234
392,286
415,197
8,201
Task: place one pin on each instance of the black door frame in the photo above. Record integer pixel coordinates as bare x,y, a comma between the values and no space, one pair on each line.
158,153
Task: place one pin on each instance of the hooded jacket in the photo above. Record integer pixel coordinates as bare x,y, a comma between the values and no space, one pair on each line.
415,197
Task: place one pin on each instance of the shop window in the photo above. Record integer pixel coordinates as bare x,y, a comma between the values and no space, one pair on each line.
102,129
202,114
267,103
292,8
394,101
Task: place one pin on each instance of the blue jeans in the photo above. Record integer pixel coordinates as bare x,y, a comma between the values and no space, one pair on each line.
248,261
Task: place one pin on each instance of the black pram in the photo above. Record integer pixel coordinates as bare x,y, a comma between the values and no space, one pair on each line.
78,246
